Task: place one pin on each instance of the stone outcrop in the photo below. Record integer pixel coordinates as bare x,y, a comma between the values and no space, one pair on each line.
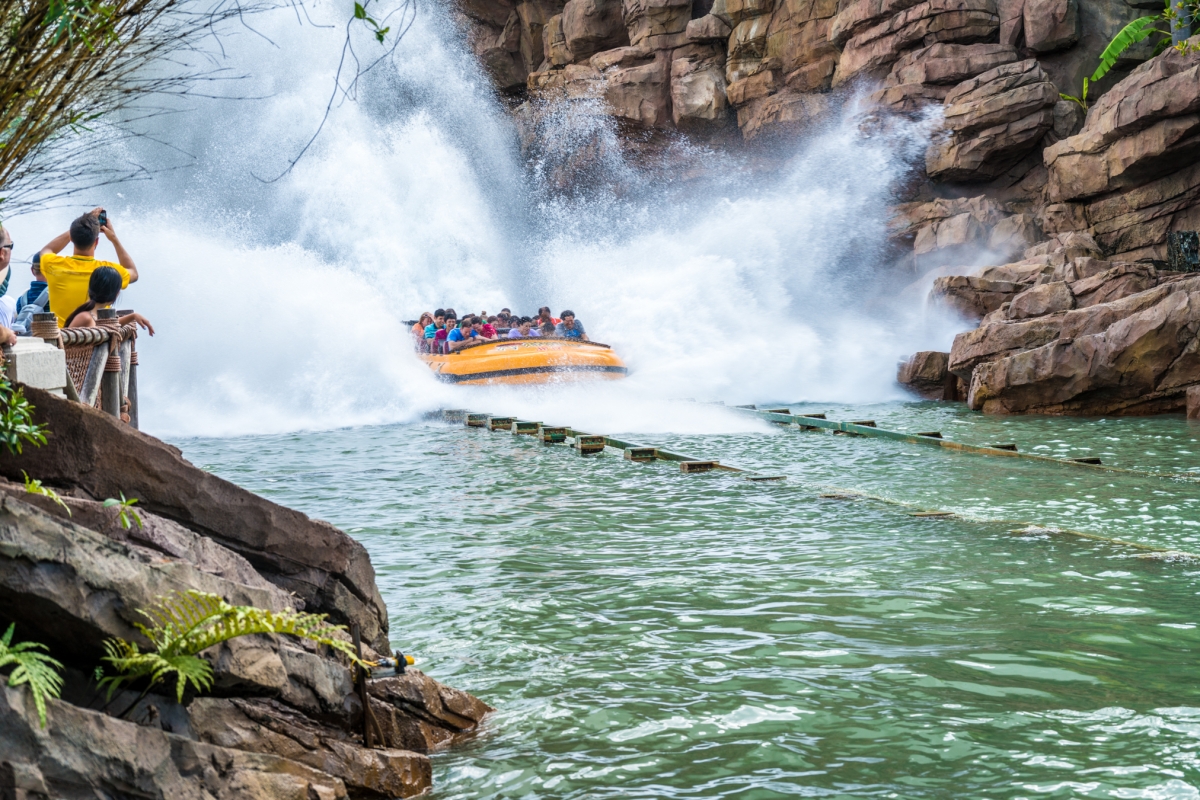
992,121
928,374
1029,210
94,454
283,717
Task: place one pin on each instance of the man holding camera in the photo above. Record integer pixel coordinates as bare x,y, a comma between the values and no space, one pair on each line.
68,276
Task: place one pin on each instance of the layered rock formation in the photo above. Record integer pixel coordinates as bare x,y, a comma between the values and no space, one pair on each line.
283,719
1014,175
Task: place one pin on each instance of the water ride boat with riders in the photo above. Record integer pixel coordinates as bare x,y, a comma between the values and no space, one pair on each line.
517,355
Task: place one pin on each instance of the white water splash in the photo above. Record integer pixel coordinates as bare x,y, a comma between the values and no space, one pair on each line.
279,305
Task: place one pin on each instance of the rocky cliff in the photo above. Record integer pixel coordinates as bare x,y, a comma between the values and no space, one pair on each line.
1014,174
284,718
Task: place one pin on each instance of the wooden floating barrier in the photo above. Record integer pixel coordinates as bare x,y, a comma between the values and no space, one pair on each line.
592,444
869,428
550,434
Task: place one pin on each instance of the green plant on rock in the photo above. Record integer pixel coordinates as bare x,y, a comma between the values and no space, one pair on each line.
1177,15
185,624
38,670
33,486
16,419
125,512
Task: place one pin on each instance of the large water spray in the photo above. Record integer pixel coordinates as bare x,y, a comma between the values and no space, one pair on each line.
280,303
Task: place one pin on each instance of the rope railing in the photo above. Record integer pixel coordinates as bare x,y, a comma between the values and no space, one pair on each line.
101,361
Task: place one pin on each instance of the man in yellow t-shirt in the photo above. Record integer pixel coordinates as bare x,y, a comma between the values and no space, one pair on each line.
68,276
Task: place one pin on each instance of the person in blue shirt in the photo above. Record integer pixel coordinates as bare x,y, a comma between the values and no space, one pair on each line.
36,286
571,328
462,336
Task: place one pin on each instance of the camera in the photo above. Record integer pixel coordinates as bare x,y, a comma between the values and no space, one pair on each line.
103,218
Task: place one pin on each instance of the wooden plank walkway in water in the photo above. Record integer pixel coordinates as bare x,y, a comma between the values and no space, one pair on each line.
816,422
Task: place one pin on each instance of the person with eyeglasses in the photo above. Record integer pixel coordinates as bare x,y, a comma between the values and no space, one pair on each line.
68,276
8,305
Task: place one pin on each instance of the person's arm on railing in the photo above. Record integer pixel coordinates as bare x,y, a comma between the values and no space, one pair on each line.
139,319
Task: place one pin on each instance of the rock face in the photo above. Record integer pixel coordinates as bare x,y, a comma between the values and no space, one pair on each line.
1068,211
927,373
283,718
98,456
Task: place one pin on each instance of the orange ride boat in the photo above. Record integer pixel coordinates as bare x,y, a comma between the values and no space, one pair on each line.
527,361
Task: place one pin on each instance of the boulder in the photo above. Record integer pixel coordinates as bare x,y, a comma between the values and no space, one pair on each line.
752,88
418,713
972,297
992,121
648,19
814,76
873,49
1050,24
640,94
591,26
926,373
698,93
265,726
555,41
741,10
708,28
1141,130
1119,281
1143,363
85,754
91,452
747,49
1193,402
781,114
949,64
1037,301
78,587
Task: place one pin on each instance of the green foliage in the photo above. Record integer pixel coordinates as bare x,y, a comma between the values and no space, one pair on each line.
16,420
360,12
1082,99
35,487
125,514
185,624
1139,30
38,670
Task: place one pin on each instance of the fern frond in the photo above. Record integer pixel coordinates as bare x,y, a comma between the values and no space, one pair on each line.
190,669
1138,30
37,670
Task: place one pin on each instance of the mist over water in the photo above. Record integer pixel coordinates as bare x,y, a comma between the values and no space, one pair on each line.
279,305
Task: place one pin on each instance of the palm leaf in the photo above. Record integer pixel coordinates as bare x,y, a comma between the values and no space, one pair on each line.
1138,30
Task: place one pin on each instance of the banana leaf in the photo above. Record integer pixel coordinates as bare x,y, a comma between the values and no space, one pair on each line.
1138,30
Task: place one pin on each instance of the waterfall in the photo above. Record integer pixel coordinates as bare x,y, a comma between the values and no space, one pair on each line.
279,303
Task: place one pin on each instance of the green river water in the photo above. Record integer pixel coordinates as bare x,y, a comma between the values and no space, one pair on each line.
647,634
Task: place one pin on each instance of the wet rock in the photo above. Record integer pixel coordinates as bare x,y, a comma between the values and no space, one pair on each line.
698,93
265,726
926,374
91,452
532,18
798,39
418,713
1142,363
1050,24
784,113
555,41
873,49
747,49
949,64
1193,402
972,297
992,121
591,26
1011,236
84,754
1037,301
752,88
645,19
741,10
640,94
708,28
1115,283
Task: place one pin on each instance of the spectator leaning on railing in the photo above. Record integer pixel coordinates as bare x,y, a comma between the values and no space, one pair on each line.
68,276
